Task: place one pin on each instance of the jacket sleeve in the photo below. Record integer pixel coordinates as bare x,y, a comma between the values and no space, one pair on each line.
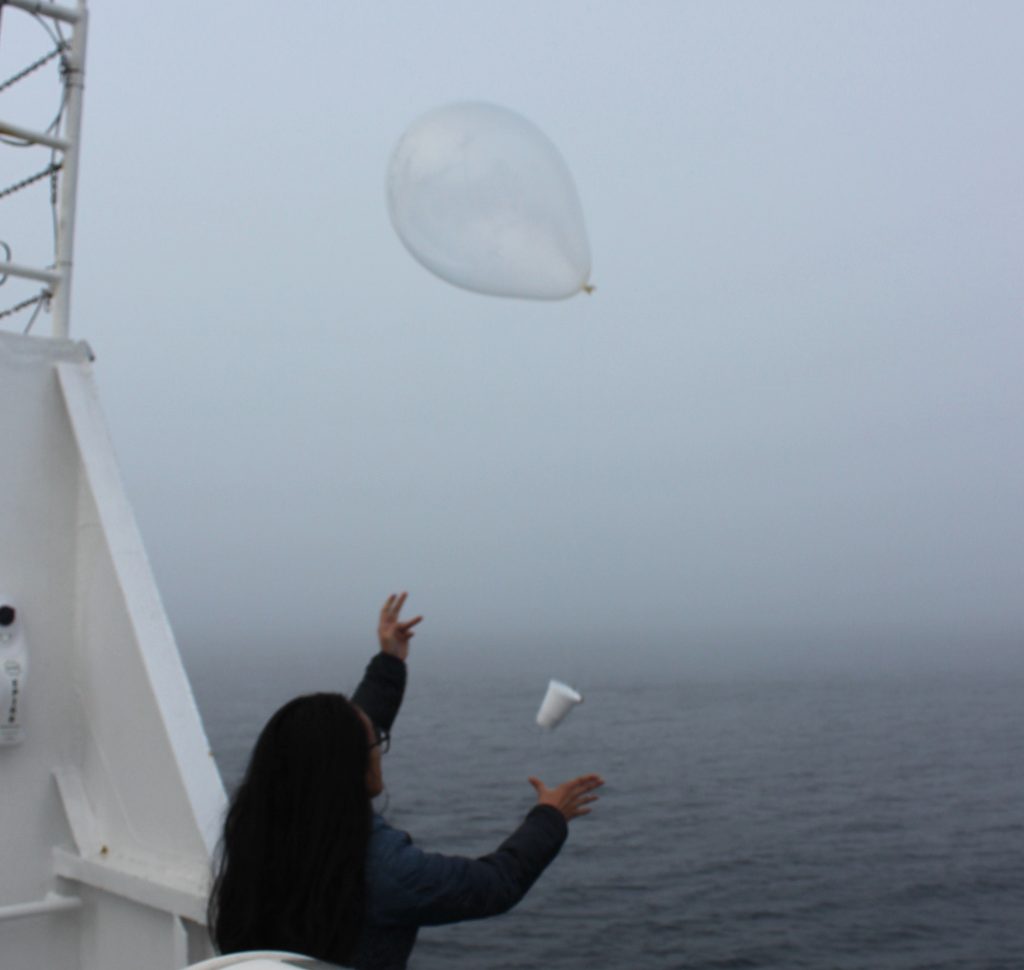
411,887
380,692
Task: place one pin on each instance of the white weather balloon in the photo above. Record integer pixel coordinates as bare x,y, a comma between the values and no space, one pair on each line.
481,197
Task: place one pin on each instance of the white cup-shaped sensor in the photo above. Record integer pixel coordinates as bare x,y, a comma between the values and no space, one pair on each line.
558,701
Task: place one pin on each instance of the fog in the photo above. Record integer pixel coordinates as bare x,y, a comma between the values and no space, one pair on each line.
784,432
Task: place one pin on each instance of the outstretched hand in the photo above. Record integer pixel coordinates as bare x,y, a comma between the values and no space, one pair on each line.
571,797
394,634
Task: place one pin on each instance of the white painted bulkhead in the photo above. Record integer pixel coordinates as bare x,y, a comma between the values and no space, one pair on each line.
110,805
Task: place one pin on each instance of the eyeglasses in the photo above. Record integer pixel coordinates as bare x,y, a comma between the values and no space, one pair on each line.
383,741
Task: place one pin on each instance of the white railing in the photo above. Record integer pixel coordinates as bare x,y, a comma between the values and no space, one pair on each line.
58,277
50,903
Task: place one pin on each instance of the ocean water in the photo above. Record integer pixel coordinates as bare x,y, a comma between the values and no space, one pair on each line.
852,823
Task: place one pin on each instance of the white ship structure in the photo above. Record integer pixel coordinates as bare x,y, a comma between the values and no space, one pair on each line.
110,800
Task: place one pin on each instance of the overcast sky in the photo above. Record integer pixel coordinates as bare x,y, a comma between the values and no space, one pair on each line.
787,424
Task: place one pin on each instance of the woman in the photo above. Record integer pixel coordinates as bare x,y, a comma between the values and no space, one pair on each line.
307,866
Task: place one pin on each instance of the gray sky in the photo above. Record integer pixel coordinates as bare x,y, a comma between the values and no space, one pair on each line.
787,425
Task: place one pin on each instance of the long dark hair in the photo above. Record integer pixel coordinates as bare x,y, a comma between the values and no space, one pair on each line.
291,869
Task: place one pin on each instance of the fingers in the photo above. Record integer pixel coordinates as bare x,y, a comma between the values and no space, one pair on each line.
576,787
409,624
579,794
399,603
393,606
571,798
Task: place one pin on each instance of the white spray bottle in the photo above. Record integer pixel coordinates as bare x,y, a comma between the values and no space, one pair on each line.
13,670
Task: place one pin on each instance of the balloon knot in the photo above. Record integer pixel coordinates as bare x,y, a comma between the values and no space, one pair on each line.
589,288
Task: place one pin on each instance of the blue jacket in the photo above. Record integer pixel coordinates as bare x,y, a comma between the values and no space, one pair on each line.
408,888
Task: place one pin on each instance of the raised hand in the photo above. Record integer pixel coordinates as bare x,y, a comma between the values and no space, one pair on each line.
571,797
394,634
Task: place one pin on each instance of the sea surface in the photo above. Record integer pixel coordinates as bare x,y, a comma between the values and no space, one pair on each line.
854,823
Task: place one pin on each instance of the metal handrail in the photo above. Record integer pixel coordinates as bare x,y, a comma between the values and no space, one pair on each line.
34,137
68,15
31,273
59,277
50,903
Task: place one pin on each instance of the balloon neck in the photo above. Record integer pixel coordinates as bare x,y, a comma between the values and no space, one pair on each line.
588,288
